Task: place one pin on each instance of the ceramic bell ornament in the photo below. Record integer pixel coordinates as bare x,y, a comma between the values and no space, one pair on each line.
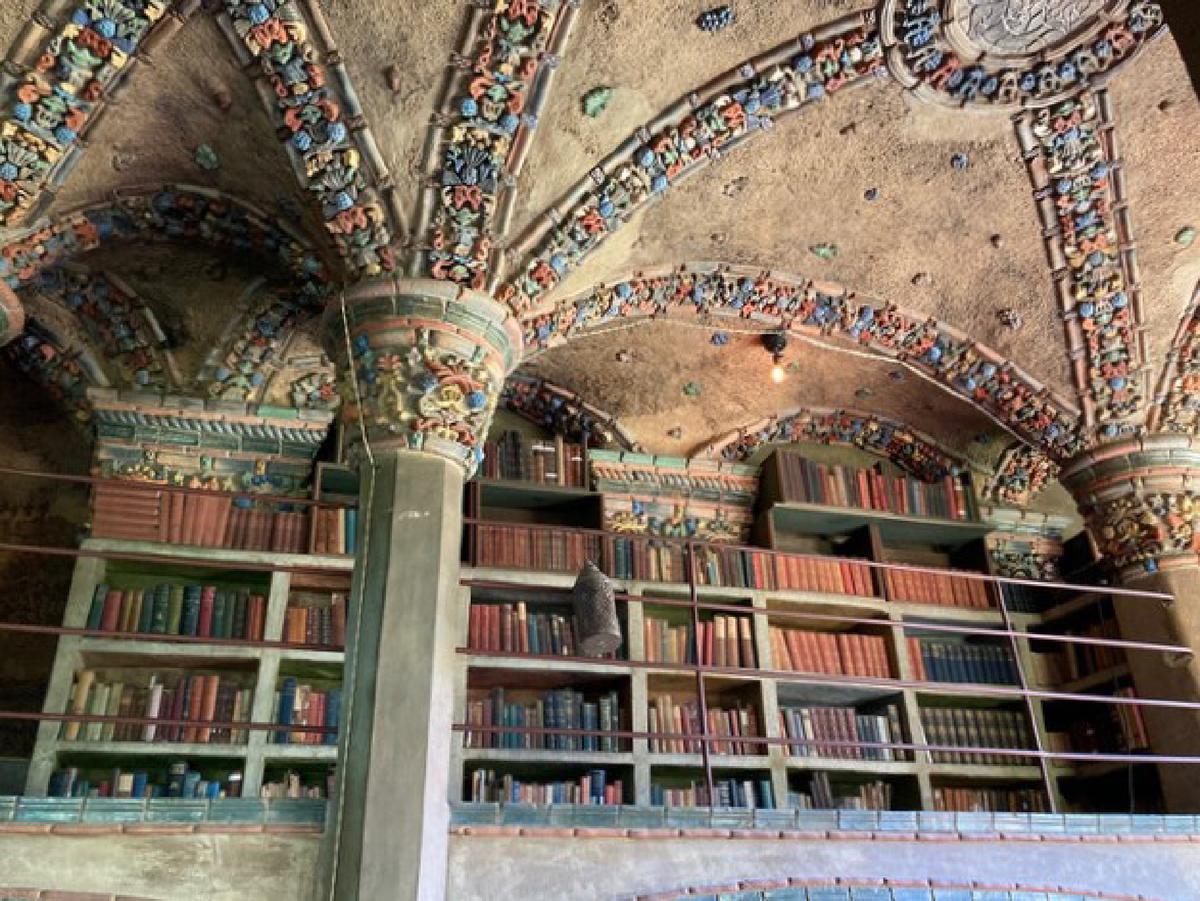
599,630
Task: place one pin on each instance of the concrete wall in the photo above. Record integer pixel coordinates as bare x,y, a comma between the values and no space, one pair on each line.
510,868
164,867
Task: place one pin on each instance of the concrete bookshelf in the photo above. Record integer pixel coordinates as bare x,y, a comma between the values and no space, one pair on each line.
136,564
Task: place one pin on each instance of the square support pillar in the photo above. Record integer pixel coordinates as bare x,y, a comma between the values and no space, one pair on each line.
389,826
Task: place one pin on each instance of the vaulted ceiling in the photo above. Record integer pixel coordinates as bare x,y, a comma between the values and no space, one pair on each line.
615,160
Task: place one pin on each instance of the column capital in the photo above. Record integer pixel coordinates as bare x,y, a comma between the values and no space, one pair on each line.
422,363
1141,501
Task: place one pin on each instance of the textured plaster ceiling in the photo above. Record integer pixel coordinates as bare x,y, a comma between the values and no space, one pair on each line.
958,245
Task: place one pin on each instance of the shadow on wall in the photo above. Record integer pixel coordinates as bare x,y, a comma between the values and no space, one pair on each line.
882,890
1183,18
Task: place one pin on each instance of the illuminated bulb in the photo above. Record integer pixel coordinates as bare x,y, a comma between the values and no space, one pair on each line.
778,374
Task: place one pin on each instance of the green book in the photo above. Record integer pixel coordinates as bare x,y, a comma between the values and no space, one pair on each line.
220,615
175,610
146,614
240,603
160,609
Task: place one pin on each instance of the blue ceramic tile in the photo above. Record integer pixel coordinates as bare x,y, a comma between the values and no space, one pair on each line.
524,815
1180,824
688,817
974,821
857,820
786,894
237,810
1111,824
935,821
1082,823
774,819
816,820
831,893
475,814
1030,896
911,894
176,810
1013,823
642,817
310,811
985,895
49,810
740,896
897,821
732,818
871,894
596,816
1146,823
952,894
114,810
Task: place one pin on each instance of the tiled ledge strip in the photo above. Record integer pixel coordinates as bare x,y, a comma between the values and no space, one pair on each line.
855,889
132,815
617,821
90,829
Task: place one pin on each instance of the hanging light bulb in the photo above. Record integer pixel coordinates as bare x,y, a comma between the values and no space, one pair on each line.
776,343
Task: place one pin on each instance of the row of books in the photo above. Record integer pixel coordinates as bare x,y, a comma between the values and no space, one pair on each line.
944,589
293,785
137,512
749,793
948,661
836,653
559,709
181,782
298,704
647,561
977,728
311,621
805,481
511,628
821,795
194,697
204,611
666,715
1068,662
784,572
842,732
594,787
724,640
1006,800
516,547
541,461
335,530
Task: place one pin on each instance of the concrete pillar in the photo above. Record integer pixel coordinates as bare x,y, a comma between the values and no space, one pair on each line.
1139,500
424,363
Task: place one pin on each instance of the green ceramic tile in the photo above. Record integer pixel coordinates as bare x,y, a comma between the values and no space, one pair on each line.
594,816
114,810
774,819
176,810
732,818
786,894
633,817
689,817
237,810
897,821
309,811
524,815
475,814
857,820
49,810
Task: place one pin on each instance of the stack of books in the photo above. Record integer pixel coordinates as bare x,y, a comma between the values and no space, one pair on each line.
178,608
513,629
298,704
977,728
560,709
950,661
181,782
836,653
875,795
724,641
648,561
1007,800
842,732
541,461
748,793
515,547
783,572
195,697
292,785
944,589
316,620
805,481
335,530
670,717
595,787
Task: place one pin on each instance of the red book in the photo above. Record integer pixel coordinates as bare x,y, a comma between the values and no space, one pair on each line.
915,659
111,617
208,705
207,597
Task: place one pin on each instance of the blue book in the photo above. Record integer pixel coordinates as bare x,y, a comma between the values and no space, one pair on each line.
139,785
96,613
190,624
191,782
287,701
333,714
351,530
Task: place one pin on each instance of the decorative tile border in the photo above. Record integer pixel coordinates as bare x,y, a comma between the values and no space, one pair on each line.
335,156
65,371
482,132
907,448
1021,474
562,412
1177,400
167,812
74,66
982,55
711,293
687,136
175,213
1078,185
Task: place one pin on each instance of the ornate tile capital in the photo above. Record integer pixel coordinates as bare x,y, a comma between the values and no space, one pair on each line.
422,365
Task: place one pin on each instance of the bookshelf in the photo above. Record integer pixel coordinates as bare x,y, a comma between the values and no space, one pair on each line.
874,686
256,667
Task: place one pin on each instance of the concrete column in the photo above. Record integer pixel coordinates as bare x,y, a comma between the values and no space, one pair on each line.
1140,501
424,363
